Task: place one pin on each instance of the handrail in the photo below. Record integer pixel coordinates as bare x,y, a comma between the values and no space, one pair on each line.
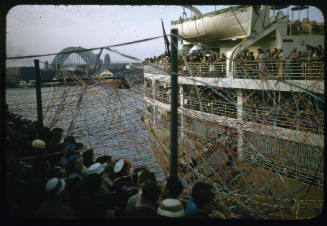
282,118
297,172
212,106
289,69
264,114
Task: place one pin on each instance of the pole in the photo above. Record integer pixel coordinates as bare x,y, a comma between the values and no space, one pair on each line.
174,105
38,93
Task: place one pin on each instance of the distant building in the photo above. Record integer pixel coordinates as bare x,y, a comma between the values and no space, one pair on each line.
46,65
106,60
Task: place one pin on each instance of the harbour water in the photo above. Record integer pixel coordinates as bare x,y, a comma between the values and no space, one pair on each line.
101,117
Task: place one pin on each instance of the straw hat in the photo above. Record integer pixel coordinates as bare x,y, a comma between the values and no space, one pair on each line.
55,186
96,168
38,144
172,208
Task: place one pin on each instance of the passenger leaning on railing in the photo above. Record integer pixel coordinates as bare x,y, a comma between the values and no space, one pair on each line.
262,61
276,58
222,57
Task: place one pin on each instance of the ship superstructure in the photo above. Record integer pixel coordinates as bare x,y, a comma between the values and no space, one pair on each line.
240,106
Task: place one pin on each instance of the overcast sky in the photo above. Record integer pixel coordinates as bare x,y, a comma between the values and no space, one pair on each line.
33,29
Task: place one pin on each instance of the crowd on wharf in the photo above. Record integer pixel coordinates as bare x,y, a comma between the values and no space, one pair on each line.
47,178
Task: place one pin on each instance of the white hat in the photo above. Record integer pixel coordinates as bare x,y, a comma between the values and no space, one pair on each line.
96,168
118,166
55,186
172,208
38,144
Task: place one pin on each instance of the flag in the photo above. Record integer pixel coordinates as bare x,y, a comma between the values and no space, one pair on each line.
167,44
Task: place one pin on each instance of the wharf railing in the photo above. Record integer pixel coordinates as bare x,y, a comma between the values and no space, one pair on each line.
285,118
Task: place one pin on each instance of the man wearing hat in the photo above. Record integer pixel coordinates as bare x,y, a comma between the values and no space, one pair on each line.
122,173
54,207
171,208
99,169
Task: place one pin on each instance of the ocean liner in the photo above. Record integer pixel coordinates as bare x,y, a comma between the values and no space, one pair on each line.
251,100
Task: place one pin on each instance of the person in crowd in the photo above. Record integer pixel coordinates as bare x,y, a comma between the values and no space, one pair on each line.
223,57
191,206
251,56
94,202
75,167
68,150
320,53
202,203
99,169
307,47
54,207
238,65
123,182
148,203
298,65
277,56
212,58
107,162
172,189
170,209
269,54
243,60
290,60
122,168
262,61
144,177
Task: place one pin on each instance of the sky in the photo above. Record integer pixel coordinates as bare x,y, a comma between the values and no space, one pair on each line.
43,29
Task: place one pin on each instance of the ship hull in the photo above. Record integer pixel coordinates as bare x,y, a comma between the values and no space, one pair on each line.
242,177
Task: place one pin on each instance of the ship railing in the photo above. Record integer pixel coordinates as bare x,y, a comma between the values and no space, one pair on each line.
156,68
288,69
279,69
289,169
284,118
211,106
148,92
163,97
215,69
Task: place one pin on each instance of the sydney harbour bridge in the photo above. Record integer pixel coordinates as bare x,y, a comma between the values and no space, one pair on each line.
78,57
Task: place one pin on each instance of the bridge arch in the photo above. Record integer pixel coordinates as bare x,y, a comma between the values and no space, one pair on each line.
87,56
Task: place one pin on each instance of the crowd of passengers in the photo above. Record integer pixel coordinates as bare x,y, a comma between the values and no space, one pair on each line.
272,61
311,53
196,57
50,178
